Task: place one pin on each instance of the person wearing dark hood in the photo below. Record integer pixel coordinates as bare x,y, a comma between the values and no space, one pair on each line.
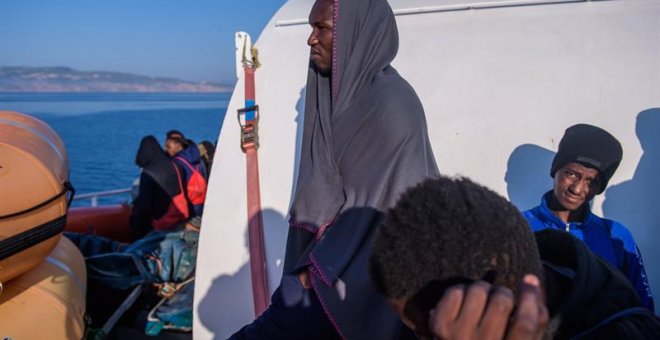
185,154
365,141
587,158
160,182
458,261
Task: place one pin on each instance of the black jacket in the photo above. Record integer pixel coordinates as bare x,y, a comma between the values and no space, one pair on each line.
586,297
158,184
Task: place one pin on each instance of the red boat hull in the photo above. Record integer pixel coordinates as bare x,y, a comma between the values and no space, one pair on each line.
112,221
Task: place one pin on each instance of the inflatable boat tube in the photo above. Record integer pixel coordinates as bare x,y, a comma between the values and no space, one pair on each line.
110,221
34,185
47,302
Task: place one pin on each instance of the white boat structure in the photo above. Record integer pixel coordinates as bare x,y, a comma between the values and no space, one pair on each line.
500,82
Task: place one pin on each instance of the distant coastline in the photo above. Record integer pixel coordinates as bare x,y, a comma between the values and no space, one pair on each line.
65,79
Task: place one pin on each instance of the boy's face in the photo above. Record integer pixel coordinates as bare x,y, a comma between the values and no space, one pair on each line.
575,184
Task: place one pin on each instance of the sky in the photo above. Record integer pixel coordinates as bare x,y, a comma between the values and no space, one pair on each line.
188,40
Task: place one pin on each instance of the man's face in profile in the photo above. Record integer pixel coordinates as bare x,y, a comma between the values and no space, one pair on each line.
320,40
172,147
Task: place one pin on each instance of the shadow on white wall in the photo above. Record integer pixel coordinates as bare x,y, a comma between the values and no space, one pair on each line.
635,202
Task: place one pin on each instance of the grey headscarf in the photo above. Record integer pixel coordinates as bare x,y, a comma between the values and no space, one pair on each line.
364,142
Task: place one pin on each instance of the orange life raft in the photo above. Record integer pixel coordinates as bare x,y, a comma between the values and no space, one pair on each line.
33,185
47,302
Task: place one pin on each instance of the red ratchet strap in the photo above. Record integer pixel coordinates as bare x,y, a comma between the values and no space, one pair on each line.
248,119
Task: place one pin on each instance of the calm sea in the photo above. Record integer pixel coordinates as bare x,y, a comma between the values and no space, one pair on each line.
102,131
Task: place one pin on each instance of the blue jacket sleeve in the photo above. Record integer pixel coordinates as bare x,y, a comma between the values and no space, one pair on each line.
637,276
633,265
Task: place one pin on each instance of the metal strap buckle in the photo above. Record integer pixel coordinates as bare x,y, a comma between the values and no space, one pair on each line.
166,289
249,127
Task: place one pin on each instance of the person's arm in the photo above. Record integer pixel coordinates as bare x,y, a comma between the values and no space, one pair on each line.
481,311
633,265
636,274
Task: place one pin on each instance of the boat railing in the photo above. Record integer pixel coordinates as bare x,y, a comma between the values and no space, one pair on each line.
94,196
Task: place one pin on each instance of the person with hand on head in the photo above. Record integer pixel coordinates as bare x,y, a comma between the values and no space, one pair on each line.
587,158
458,261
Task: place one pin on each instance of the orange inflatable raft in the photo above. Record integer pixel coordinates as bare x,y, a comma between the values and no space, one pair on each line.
34,192
47,302
42,275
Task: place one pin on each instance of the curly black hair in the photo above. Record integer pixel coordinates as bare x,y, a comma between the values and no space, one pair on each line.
451,230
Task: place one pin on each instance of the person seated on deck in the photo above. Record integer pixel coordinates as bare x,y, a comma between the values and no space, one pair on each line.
160,182
587,158
185,154
456,260
207,151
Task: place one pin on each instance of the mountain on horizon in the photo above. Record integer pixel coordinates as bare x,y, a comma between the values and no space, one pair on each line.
66,79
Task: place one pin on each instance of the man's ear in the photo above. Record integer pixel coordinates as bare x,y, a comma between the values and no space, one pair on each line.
419,318
419,306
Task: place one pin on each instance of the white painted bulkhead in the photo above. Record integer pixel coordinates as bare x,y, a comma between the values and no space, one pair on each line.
499,86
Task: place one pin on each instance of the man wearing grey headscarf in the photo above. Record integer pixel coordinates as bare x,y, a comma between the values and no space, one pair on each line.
364,142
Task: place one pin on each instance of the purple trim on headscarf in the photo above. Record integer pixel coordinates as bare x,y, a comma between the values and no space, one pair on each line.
317,267
301,225
326,310
310,227
321,230
334,73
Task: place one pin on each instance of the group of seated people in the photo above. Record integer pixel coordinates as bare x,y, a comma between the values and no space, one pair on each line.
166,217
172,184
455,258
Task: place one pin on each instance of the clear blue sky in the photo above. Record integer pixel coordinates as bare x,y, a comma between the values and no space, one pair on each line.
189,40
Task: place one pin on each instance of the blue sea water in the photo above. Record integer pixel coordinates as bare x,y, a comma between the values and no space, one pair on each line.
102,131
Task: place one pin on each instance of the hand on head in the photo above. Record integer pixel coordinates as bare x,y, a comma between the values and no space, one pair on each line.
483,311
